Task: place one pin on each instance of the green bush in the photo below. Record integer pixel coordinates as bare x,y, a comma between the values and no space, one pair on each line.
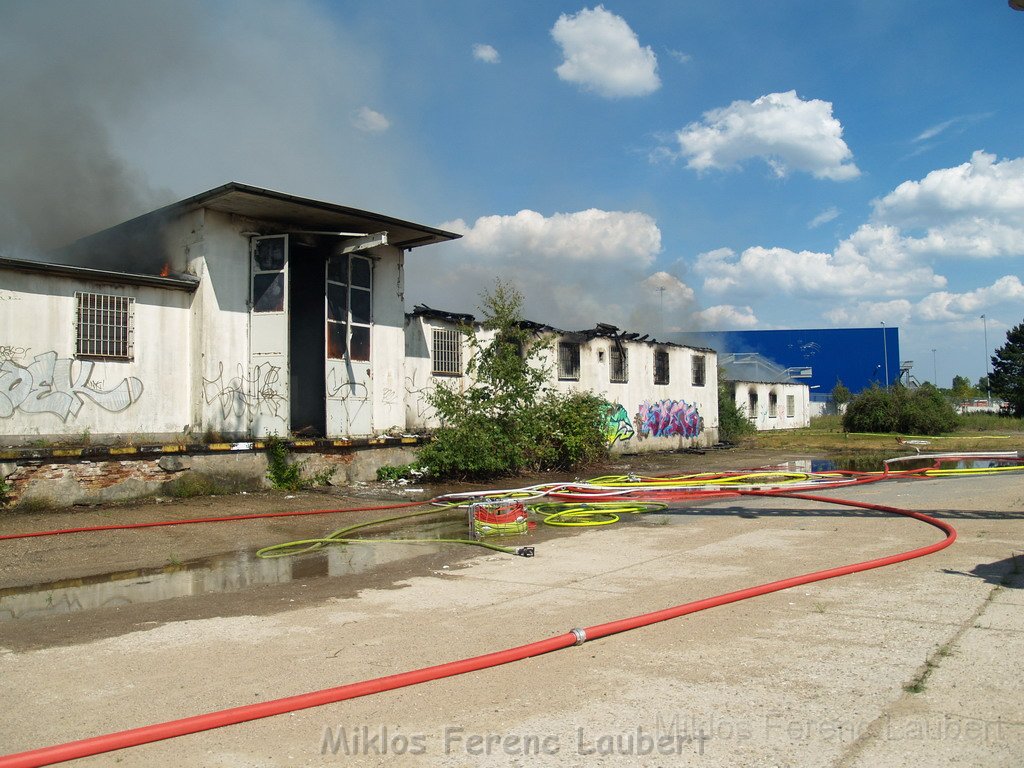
921,411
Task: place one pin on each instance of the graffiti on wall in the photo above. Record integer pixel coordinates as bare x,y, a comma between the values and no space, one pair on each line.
60,386
248,392
10,352
669,418
617,426
418,396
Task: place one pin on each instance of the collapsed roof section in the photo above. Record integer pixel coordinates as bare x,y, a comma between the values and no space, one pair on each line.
601,330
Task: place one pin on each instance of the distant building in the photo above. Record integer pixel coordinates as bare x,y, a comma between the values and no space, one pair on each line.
770,396
859,357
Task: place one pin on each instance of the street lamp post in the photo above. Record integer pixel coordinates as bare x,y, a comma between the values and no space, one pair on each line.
935,369
988,374
885,356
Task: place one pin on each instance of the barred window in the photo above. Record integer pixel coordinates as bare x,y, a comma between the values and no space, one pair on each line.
661,366
618,369
447,352
773,405
104,326
790,406
568,360
699,373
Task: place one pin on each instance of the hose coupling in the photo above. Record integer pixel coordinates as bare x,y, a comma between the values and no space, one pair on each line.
581,635
525,551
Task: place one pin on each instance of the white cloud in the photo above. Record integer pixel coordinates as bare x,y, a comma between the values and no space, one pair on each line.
938,306
575,269
855,269
670,290
725,317
975,209
681,56
486,53
590,236
865,314
782,129
366,119
829,214
602,54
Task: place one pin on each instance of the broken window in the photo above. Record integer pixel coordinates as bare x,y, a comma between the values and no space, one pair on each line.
699,372
447,352
104,326
773,405
568,361
268,274
618,368
661,366
790,406
349,307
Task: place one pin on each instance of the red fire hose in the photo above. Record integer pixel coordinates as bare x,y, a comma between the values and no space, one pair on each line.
171,729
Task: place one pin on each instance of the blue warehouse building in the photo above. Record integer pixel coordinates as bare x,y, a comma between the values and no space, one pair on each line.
859,357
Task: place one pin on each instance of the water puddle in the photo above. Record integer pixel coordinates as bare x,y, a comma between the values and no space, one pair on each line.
875,464
228,572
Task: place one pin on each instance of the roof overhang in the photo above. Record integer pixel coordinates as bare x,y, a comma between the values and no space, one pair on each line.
172,282
300,213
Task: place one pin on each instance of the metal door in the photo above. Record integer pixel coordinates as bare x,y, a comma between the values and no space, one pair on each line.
265,386
349,325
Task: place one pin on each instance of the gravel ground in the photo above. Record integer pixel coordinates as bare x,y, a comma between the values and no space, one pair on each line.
915,664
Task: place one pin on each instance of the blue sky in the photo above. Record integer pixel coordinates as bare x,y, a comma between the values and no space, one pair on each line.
768,165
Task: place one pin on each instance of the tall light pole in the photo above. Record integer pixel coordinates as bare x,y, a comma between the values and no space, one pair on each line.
935,368
885,356
988,386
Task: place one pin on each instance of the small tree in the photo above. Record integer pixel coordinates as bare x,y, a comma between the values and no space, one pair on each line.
962,389
1007,378
505,422
840,394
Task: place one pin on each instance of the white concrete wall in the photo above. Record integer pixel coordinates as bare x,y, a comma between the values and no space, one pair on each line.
387,340
647,417
46,392
762,416
210,246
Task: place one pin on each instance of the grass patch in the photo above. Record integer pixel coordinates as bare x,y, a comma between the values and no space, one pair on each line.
920,681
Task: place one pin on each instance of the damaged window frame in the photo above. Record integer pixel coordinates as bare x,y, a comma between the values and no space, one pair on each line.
568,361
618,363
661,367
699,375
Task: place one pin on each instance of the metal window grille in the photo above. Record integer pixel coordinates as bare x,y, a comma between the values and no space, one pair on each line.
661,366
447,352
698,371
618,369
104,326
790,406
568,360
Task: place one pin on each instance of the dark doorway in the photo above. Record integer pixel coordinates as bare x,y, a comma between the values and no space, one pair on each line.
308,393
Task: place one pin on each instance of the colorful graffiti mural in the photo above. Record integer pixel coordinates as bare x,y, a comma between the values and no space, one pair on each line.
669,418
59,385
617,426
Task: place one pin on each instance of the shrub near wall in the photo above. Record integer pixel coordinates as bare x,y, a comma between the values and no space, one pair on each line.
921,411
